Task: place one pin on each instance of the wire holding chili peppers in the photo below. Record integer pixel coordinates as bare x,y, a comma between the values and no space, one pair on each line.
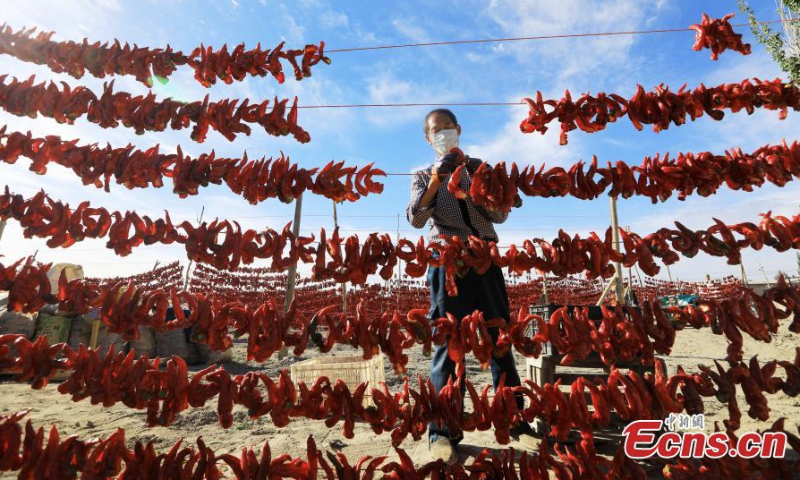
145,113
144,63
625,333
351,260
140,383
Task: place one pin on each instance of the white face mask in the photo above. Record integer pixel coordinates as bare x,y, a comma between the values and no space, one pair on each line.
444,140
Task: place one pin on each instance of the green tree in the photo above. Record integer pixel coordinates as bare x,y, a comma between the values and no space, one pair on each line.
783,46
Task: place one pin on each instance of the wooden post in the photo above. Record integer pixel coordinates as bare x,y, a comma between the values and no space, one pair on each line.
798,261
611,282
744,275
639,274
189,267
95,333
344,285
761,267
615,237
545,296
400,262
544,289
291,280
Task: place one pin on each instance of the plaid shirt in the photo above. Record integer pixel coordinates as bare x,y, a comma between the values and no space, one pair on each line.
449,215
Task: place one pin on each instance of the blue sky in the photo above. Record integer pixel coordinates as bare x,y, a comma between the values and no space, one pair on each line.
392,138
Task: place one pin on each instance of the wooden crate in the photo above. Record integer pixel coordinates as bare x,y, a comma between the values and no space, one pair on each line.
62,375
544,311
547,369
351,369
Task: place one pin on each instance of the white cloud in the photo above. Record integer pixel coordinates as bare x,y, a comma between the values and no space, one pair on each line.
509,144
68,18
593,57
332,19
730,207
410,29
386,87
291,31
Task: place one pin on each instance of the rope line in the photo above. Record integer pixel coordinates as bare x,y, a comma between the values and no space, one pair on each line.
495,40
389,105
536,37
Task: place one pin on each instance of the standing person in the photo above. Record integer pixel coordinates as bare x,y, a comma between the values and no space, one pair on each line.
448,215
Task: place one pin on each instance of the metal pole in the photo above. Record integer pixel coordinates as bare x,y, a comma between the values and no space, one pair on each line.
669,274
615,236
344,285
291,279
189,268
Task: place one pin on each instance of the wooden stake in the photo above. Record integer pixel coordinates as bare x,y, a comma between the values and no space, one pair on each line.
798,262
344,285
611,282
744,275
544,289
400,262
545,296
765,275
615,237
292,274
189,267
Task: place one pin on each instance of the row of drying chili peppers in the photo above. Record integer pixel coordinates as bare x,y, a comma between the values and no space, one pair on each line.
351,260
26,451
255,180
624,332
144,113
141,384
144,63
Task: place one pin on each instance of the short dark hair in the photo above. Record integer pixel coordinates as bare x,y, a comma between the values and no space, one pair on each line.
438,111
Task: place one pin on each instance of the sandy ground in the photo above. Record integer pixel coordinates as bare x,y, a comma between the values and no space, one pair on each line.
86,420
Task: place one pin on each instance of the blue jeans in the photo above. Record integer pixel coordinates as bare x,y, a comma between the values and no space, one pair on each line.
486,293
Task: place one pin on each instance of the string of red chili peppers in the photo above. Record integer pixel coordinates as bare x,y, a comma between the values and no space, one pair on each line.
144,63
140,383
258,180
625,333
144,113
27,452
351,260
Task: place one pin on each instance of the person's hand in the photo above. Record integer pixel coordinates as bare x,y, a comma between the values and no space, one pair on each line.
445,165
